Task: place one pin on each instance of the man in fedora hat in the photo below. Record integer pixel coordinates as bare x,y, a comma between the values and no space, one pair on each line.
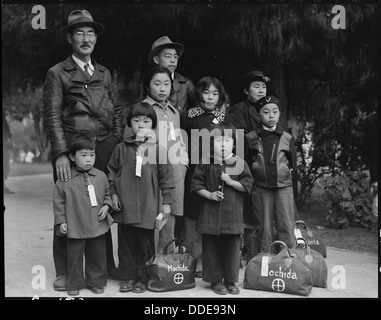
78,99
166,53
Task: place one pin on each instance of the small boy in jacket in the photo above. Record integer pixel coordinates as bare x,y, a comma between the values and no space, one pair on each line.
81,213
274,162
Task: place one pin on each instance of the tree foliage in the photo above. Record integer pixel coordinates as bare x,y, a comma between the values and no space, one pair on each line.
323,76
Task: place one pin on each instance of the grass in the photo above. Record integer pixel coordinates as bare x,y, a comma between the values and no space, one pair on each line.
313,213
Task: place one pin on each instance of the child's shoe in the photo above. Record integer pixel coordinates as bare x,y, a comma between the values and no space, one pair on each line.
73,292
231,288
219,288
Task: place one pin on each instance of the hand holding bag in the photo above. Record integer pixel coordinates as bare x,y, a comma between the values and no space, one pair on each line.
170,271
314,242
313,260
278,273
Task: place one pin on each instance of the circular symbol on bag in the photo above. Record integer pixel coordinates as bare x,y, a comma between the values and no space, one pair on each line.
278,285
178,278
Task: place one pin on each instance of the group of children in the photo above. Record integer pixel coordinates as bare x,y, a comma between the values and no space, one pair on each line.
154,171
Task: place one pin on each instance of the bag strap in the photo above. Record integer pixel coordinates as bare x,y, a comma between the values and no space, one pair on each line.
280,243
301,222
177,241
295,245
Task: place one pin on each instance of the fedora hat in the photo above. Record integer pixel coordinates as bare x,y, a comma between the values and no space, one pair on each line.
80,18
164,42
254,76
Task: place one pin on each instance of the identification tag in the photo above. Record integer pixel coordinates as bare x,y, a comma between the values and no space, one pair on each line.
172,134
215,121
93,198
265,266
139,162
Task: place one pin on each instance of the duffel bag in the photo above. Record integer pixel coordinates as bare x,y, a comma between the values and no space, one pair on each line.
170,271
313,260
314,242
278,272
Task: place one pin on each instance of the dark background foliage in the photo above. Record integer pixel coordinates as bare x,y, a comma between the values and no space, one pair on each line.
327,79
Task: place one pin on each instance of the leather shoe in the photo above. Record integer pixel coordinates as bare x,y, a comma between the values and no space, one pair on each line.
139,287
127,286
231,287
95,290
73,292
219,288
59,284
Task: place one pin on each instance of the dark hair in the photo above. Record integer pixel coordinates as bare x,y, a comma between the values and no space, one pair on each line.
80,142
205,83
224,128
151,73
142,109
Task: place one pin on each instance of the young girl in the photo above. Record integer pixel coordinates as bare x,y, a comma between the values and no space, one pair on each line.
136,178
221,181
81,207
243,115
211,98
158,86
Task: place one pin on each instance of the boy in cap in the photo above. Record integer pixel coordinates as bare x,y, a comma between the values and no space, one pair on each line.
166,53
274,162
78,99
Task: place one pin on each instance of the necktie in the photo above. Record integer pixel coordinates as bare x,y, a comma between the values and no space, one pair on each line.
87,72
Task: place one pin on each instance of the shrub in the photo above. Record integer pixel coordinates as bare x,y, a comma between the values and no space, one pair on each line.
351,200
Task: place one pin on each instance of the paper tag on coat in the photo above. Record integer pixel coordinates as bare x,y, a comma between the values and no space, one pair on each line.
93,198
139,161
215,121
265,266
172,134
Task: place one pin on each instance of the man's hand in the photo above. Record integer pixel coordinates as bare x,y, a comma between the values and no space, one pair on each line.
63,167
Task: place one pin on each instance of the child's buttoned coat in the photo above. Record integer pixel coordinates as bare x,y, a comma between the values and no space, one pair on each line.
226,216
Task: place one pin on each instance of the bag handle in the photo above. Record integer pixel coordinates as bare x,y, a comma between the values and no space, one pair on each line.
176,241
295,245
280,243
301,222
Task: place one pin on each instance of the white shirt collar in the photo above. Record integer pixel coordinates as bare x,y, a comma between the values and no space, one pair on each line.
269,129
82,64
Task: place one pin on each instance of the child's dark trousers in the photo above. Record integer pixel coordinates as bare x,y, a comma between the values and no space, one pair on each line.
221,257
94,251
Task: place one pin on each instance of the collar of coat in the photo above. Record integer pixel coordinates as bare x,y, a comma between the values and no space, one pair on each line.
229,161
152,102
75,172
252,111
79,75
218,113
277,130
148,139
178,77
